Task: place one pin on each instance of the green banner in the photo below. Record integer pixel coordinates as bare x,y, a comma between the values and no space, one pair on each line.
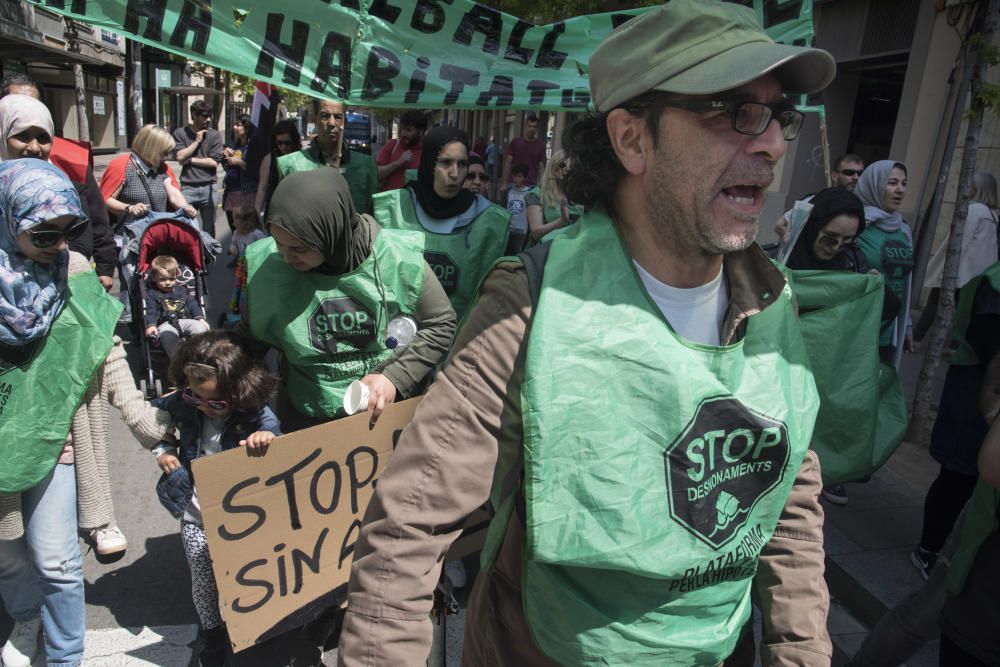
391,53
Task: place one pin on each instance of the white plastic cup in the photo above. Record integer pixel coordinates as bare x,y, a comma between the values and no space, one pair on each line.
356,398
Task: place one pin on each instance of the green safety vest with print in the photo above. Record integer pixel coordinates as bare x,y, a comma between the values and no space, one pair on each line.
42,385
359,171
461,259
332,329
851,438
964,354
892,254
655,468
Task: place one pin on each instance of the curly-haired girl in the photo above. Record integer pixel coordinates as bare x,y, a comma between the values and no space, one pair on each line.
221,404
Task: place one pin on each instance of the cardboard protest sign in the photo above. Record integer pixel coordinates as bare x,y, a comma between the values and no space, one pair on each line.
282,528
388,53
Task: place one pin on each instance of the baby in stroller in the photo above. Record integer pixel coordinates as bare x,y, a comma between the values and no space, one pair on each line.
172,311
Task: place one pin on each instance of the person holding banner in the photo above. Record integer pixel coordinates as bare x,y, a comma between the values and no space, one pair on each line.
222,404
56,321
633,399
327,149
285,139
887,243
827,243
464,233
324,289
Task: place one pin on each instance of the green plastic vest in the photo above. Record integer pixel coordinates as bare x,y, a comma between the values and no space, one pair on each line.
850,438
359,172
892,254
655,469
460,260
979,523
332,329
33,402
964,354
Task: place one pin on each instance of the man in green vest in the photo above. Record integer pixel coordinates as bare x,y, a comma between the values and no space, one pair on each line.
327,150
633,399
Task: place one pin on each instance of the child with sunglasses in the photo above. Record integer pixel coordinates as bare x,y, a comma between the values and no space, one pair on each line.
221,405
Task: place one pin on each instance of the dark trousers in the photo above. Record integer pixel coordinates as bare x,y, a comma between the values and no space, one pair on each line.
946,497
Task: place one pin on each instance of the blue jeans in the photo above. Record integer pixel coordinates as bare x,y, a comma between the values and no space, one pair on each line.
200,196
43,571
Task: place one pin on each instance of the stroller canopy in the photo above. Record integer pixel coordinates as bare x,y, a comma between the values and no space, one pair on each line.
168,236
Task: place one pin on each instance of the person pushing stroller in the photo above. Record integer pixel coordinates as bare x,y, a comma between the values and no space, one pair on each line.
171,310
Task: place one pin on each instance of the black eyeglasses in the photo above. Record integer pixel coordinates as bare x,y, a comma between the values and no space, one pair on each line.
218,405
475,176
283,143
750,117
850,172
46,238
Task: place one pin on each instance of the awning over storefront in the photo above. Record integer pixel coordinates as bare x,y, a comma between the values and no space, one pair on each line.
15,47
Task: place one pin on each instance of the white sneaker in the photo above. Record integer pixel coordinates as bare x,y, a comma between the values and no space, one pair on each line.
22,645
108,540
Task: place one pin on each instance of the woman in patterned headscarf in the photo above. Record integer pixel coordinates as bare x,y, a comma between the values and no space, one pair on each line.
56,321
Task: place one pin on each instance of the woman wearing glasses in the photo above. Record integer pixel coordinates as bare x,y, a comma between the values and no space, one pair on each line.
887,243
827,242
548,208
285,139
56,332
463,232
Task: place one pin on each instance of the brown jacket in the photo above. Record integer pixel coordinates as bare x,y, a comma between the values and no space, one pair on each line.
443,470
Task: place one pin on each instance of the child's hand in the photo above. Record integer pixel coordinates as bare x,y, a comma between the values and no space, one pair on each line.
257,442
168,462
151,331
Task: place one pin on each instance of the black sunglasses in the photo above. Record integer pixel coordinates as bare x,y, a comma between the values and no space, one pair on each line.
46,238
475,176
749,117
850,172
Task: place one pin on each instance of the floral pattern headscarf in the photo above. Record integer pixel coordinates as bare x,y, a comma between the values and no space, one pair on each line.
31,293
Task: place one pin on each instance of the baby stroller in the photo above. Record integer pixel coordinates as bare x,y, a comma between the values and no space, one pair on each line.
165,235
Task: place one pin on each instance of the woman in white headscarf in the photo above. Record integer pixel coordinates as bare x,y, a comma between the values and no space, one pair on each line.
887,243
26,131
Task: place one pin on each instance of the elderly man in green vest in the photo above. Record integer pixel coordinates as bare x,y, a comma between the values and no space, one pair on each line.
328,150
633,399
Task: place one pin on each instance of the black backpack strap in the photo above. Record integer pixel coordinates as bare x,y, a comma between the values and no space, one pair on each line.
534,259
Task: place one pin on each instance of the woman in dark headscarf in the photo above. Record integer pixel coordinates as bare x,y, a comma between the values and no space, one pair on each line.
463,231
827,239
324,291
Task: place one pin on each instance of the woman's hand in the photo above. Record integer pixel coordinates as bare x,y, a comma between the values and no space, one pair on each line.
381,392
190,211
257,442
168,462
137,210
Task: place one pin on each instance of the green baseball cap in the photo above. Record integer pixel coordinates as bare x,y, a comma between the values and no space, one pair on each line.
699,47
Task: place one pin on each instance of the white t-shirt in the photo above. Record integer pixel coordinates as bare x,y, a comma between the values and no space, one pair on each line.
695,313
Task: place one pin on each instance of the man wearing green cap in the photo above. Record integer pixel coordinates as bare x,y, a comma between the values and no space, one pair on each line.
633,399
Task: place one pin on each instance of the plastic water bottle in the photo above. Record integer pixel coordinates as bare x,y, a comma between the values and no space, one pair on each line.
400,333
